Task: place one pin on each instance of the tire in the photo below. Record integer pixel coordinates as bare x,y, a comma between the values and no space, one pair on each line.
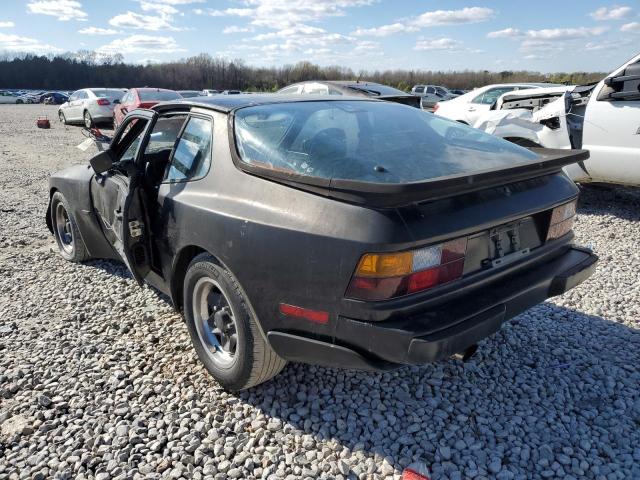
210,291
115,124
19,102
88,121
65,230
62,118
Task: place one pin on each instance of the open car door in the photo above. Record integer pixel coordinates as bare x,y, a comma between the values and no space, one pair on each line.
118,196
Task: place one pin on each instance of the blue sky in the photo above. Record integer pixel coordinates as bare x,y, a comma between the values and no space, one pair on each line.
543,35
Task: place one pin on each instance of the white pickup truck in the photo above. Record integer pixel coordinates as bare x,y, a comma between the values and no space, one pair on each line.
604,119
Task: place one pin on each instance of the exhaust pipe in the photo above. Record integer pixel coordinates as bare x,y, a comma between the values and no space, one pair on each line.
466,355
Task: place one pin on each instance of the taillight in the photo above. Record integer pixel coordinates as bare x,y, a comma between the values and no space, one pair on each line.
561,220
436,107
380,276
103,101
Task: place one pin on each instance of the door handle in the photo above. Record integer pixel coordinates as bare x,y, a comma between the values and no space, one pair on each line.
471,109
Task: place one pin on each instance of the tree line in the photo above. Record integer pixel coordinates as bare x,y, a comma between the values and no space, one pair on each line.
85,68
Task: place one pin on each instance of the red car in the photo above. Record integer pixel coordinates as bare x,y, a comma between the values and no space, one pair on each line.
141,98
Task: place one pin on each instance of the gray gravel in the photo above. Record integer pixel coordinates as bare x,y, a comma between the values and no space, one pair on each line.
98,379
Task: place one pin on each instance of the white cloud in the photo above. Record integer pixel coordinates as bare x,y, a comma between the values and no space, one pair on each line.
453,17
438,44
384,30
613,13
551,40
631,27
506,33
98,31
61,9
161,8
7,24
141,44
236,29
565,33
16,43
430,19
142,22
279,14
229,12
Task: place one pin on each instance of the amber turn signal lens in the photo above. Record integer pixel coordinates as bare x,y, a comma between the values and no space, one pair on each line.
385,264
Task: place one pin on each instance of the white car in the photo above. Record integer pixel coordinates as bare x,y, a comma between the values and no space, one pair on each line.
604,119
6,97
210,93
469,107
90,106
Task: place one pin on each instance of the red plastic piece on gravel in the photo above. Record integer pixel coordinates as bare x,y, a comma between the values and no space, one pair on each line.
410,474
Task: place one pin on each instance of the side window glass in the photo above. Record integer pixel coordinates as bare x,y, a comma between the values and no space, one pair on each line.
126,146
431,90
163,137
192,154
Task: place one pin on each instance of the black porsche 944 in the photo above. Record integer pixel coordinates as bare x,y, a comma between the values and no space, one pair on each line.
345,232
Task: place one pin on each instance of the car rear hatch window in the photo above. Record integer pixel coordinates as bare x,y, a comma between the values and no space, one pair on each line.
158,95
110,93
366,141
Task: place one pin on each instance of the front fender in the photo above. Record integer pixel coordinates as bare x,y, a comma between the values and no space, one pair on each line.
75,184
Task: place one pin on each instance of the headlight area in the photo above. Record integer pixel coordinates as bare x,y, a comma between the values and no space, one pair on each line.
381,276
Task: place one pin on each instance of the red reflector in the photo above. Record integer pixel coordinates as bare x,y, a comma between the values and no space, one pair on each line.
435,276
316,316
436,107
103,101
410,474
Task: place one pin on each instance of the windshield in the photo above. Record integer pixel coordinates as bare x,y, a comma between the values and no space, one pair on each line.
157,95
366,141
108,92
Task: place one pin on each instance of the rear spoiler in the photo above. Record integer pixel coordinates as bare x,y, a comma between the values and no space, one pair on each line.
390,195
411,100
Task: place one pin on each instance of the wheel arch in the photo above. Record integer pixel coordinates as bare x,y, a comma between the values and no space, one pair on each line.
179,270
52,190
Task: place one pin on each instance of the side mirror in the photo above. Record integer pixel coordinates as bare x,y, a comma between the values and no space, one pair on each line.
116,101
101,162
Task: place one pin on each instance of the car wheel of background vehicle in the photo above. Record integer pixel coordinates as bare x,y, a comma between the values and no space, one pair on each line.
115,123
88,121
223,329
19,101
66,231
62,118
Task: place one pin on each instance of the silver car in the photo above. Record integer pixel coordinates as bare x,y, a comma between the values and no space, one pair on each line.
90,106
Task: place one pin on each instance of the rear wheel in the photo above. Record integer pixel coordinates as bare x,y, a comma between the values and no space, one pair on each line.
88,121
62,118
66,231
223,329
19,101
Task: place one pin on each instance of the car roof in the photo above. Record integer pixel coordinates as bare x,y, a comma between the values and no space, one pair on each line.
228,103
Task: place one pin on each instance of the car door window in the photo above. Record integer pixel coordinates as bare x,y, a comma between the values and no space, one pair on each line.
490,96
160,145
192,154
419,90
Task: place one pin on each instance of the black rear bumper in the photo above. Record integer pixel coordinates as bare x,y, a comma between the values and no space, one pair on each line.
444,330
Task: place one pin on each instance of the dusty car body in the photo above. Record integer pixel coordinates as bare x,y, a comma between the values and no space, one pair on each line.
341,231
351,88
603,118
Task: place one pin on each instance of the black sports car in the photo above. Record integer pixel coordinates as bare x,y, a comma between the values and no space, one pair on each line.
341,231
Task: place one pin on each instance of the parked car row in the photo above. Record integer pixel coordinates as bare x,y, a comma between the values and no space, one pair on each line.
22,97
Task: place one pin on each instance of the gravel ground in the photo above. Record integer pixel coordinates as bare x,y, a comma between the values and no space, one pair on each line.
98,378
